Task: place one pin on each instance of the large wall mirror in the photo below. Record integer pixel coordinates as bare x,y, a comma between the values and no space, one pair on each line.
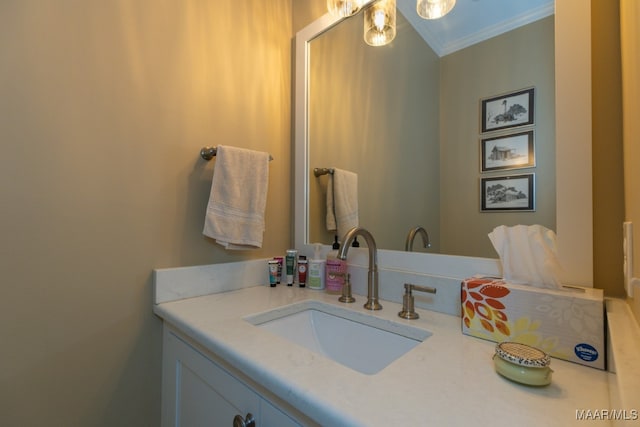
406,118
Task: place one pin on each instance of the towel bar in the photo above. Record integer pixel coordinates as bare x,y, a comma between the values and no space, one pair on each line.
209,153
322,171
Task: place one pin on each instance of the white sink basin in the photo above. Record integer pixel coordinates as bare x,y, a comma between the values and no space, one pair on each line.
359,341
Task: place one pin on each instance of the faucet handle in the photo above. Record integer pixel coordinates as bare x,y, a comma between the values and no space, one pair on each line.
346,290
408,310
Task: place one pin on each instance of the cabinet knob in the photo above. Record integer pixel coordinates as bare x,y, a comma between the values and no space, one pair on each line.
247,421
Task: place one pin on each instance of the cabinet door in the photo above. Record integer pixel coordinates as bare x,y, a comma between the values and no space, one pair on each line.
197,392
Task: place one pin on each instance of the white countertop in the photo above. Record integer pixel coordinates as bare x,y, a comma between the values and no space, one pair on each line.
448,380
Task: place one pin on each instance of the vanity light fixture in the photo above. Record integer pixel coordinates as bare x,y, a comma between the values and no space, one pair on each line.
434,9
344,8
380,23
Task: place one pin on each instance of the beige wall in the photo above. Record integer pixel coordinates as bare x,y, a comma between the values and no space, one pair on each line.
630,31
104,108
516,60
608,186
307,11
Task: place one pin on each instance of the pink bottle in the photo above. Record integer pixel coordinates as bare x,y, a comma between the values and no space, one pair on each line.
335,272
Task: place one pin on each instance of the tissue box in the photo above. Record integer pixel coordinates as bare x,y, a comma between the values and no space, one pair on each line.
566,323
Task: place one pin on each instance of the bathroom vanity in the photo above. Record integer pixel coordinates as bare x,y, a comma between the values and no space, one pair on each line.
203,392
218,363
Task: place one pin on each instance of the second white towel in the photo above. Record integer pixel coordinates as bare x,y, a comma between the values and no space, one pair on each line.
342,201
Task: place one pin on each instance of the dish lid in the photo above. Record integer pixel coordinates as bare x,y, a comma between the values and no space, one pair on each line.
522,354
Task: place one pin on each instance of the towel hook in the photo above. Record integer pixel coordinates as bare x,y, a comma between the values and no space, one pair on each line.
322,171
208,153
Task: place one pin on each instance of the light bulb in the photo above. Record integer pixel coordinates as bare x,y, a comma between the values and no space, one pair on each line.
344,8
380,23
434,9
379,19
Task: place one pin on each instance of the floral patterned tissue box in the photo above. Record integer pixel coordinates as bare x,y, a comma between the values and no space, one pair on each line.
566,323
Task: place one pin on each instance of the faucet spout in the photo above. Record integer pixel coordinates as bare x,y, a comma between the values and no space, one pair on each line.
408,246
372,277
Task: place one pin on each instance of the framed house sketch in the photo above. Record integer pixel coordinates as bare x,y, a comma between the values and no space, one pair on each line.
513,151
507,111
507,193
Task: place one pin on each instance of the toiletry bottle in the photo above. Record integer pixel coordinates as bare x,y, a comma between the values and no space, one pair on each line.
273,272
316,269
303,264
291,265
335,270
280,261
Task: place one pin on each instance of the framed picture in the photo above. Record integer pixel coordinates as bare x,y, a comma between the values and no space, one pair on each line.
514,151
507,193
507,111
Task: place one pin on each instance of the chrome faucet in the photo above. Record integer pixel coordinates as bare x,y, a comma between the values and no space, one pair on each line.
408,246
372,278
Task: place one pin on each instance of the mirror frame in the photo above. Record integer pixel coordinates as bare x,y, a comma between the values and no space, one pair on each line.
574,216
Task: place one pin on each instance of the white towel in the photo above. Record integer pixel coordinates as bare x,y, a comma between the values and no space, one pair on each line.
528,255
235,213
342,201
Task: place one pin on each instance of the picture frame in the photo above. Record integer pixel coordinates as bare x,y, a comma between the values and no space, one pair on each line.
508,193
510,151
507,111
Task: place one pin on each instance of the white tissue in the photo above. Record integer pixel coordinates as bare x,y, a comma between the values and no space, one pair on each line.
528,254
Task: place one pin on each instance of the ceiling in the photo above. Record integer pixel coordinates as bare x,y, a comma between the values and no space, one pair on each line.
472,21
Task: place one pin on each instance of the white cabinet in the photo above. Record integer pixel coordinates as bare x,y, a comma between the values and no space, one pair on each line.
196,391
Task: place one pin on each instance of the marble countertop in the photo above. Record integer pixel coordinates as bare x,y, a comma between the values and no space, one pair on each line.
447,380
